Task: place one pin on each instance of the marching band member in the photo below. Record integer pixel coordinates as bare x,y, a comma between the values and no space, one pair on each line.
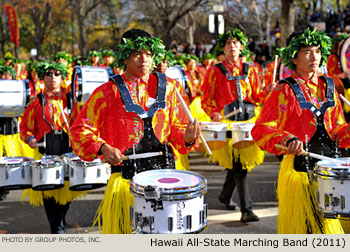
221,85
108,57
303,111
94,58
341,79
66,59
44,116
121,115
193,76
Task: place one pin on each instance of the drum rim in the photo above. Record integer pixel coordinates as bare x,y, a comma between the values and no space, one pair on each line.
57,164
77,162
238,126
216,126
22,163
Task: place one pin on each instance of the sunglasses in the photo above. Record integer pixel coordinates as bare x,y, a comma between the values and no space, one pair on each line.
50,74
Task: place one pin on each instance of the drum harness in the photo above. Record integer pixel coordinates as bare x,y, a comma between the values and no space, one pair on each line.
148,142
247,108
56,141
320,142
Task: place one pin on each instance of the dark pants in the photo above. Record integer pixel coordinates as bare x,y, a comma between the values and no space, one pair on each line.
237,177
56,215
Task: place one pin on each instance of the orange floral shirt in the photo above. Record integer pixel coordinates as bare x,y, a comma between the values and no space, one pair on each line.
104,119
282,118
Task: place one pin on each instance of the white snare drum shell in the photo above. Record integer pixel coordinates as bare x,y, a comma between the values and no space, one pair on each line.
241,135
176,205
333,184
15,173
48,174
88,175
214,134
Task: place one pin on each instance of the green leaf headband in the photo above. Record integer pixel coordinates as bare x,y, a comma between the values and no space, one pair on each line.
170,57
152,44
8,69
63,55
207,56
308,38
191,56
94,53
107,53
46,66
336,39
235,34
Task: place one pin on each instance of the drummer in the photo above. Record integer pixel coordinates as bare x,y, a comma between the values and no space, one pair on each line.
44,116
342,79
285,120
220,91
105,128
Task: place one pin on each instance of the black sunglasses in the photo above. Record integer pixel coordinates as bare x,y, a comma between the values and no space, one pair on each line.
50,74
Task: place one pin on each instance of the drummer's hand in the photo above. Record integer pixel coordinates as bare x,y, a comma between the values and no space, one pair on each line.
111,155
33,143
192,132
217,117
271,87
295,147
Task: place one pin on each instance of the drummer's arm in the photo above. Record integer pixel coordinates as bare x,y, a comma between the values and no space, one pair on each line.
84,132
26,127
208,101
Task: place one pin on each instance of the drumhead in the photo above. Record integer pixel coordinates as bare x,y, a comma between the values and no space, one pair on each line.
78,162
334,169
15,161
48,163
213,126
242,126
345,55
172,183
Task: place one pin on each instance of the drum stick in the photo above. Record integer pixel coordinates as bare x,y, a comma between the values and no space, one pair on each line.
64,116
344,99
192,120
236,111
274,70
317,156
142,155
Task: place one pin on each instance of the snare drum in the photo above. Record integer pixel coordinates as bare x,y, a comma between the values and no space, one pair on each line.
48,173
168,202
241,135
87,175
214,134
15,173
67,157
333,188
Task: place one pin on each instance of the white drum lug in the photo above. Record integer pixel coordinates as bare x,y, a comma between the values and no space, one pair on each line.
41,174
98,172
58,174
84,172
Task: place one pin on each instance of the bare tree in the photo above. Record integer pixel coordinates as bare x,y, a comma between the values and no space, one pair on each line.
287,19
83,8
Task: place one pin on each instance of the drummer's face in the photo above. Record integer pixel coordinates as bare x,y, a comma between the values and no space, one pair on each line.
308,60
139,63
232,48
52,80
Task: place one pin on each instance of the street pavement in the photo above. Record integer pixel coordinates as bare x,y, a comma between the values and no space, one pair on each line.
18,216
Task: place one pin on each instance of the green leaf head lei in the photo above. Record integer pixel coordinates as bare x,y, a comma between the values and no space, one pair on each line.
234,34
336,39
152,44
106,53
170,57
63,55
191,56
307,38
8,69
46,66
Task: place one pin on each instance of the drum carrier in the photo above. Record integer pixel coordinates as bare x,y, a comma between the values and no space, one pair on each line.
149,142
248,108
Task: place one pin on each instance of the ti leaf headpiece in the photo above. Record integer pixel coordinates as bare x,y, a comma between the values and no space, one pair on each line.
308,38
152,44
46,66
8,69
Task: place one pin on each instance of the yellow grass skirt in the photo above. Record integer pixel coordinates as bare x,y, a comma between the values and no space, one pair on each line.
12,145
249,156
297,202
113,213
